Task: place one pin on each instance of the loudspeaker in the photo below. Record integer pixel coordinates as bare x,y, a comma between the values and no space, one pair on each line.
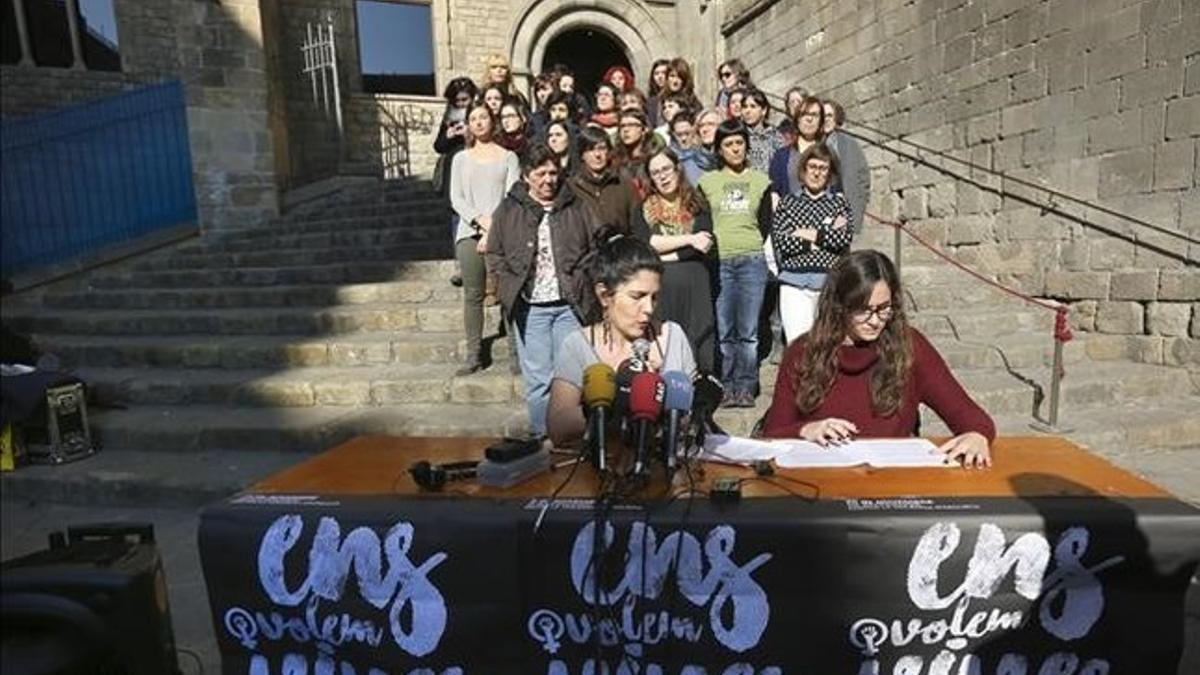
94,602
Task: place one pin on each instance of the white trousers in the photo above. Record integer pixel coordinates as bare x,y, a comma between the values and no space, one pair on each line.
797,309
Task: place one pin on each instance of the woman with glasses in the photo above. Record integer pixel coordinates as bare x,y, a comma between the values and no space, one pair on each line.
514,131
810,231
741,203
785,165
862,371
676,221
703,157
612,198
479,178
731,75
606,114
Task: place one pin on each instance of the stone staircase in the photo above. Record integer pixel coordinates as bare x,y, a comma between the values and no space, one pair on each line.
226,358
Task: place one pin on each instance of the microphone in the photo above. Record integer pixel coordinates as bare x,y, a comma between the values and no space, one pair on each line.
645,405
677,402
599,393
625,374
708,392
641,353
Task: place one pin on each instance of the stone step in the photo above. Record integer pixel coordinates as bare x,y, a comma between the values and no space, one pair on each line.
146,477
372,209
365,318
432,267
295,257
400,292
302,387
250,352
373,349
247,431
348,233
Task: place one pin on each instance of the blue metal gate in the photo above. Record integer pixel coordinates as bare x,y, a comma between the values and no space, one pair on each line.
81,179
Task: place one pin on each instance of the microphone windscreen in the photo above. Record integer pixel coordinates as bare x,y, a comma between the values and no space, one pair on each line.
679,392
641,350
646,397
599,385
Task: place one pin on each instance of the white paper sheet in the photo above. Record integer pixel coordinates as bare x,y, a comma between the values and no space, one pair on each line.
738,450
876,452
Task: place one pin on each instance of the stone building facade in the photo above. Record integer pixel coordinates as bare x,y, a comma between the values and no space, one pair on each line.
256,130
1099,99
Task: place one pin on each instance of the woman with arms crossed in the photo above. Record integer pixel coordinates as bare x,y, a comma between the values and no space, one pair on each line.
862,371
626,274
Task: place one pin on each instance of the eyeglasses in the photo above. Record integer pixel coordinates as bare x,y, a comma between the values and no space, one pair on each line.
817,168
630,125
726,73
882,312
662,172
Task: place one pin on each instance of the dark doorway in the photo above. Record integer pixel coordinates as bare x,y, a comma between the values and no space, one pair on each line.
588,52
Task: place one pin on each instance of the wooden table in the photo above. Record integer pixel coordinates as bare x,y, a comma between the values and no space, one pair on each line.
1024,467
342,563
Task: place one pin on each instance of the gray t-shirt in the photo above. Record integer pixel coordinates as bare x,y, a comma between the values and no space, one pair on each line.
477,188
576,354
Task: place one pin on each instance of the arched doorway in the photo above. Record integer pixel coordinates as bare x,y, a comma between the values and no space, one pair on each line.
628,23
588,52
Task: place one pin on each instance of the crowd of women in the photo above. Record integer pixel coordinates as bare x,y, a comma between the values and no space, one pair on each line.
735,216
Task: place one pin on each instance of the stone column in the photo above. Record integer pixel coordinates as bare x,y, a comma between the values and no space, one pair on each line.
72,7
22,33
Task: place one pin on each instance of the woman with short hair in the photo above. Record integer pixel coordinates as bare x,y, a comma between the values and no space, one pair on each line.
741,202
810,232
862,371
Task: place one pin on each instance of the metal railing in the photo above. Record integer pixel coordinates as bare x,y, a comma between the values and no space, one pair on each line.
82,179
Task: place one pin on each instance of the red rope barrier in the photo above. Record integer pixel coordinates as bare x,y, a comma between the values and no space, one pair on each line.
1062,328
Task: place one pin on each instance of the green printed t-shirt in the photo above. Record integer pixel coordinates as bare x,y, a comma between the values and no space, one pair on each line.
734,199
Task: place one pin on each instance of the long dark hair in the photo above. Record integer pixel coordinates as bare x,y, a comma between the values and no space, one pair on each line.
653,89
691,198
848,290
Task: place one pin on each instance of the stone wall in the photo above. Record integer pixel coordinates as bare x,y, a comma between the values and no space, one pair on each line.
391,135
223,65
1099,99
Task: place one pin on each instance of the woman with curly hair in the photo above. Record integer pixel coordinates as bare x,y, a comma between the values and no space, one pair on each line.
863,371
620,77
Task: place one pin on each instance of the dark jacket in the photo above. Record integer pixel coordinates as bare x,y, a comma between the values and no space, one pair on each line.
512,247
446,148
611,198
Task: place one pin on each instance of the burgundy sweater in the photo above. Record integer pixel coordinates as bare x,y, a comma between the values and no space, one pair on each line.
930,382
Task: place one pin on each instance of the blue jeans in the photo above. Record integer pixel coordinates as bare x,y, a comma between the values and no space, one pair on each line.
539,331
743,283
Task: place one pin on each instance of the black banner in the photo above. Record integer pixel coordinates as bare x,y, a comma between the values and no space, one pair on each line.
386,585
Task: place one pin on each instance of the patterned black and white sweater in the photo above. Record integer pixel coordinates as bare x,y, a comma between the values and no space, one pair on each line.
803,210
